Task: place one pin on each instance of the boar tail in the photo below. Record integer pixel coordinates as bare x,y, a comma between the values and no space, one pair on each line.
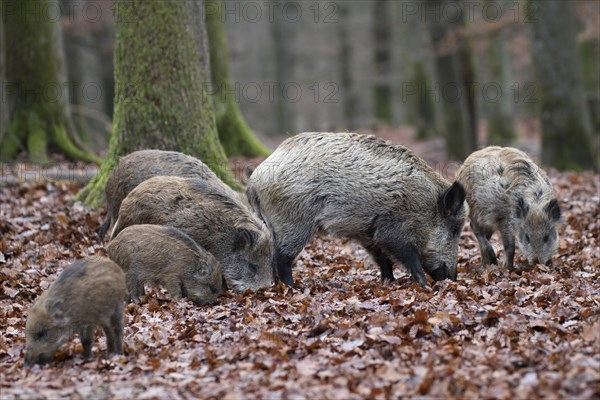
104,228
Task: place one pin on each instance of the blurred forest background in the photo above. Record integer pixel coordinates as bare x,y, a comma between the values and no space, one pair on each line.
461,74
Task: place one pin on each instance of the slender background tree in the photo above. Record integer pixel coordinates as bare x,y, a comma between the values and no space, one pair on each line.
235,134
566,126
454,76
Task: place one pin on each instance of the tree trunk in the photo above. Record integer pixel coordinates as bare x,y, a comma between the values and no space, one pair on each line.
37,84
500,109
284,59
454,72
589,51
382,34
566,129
84,39
161,99
235,134
344,65
3,96
424,107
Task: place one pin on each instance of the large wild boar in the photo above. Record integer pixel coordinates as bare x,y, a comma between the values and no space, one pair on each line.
364,188
212,216
165,255
508,192
138,166
88,293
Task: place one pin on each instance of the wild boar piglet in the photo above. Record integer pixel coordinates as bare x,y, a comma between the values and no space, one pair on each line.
166,256
213,217
88,293
509,193
136,167
365,188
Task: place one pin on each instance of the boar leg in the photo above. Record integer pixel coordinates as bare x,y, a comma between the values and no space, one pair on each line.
116,321
135,287
175,290
409,256
488,256
508,240
86,335
292,239
383,260
284,269
110,337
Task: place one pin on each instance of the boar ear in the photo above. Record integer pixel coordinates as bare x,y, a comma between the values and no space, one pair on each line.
522,208
245,238
452,200
553,210
55,309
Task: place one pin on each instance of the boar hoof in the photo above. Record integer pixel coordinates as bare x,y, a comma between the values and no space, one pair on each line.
489,257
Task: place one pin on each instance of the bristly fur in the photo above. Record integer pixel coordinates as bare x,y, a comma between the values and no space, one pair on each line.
508,192
138,166
88,293
361,187
214,216
166,256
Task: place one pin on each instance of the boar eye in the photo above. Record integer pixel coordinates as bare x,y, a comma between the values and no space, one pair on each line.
41,335
546,238
526,238
253,268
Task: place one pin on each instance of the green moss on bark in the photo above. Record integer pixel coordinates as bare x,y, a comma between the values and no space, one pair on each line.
34,69
161,100
235,134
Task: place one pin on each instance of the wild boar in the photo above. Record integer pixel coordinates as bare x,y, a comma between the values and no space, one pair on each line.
138,166
508,192
88,293
364,188
213,217
166,256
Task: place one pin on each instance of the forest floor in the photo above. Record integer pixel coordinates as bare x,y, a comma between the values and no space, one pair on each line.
532,333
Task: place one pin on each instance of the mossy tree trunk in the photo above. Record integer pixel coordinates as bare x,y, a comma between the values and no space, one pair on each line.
161,101
235,134
566,129
454,71
37,84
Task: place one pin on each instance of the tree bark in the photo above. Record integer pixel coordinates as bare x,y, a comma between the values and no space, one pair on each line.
455,74
161,99
500,113
589,51
35,73
3,96
344,65
566,129
235,134
382,58
284,60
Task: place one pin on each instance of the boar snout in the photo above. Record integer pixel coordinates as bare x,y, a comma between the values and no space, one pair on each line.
439,274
